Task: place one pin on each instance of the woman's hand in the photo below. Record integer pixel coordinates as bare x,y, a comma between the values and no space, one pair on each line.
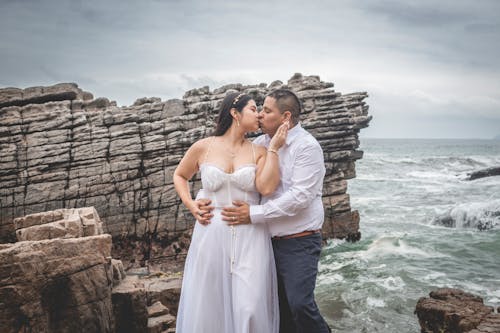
268,170
201,210
279,137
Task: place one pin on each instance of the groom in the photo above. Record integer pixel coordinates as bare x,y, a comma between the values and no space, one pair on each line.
294,213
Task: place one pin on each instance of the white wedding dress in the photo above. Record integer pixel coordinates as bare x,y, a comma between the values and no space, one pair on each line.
229,283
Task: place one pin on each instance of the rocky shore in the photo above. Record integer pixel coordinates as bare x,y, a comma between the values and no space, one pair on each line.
455,311
60,277
62,148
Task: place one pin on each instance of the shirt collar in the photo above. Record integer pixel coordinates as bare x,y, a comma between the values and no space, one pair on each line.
293,133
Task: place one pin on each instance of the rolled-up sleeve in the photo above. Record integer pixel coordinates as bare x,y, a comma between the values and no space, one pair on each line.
308,172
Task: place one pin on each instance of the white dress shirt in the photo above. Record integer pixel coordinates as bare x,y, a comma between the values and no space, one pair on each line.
296,204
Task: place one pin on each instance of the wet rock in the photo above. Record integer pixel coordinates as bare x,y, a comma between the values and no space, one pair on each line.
488,172
455,311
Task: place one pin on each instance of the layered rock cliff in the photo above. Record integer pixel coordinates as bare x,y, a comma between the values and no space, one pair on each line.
61,148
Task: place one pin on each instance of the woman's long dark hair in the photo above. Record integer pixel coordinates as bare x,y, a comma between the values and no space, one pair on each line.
232,100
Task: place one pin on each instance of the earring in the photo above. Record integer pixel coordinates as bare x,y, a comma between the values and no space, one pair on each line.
237,122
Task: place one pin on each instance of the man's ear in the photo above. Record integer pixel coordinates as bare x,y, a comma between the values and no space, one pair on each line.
287,115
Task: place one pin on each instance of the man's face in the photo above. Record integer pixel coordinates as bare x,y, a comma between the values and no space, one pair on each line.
270,117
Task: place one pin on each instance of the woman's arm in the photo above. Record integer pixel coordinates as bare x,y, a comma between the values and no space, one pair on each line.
186,169
268,168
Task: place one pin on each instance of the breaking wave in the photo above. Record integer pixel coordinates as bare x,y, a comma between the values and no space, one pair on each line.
477,215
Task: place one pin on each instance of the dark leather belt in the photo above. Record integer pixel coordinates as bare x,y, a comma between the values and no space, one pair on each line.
299,234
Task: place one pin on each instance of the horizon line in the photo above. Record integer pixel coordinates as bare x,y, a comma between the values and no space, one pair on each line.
428,138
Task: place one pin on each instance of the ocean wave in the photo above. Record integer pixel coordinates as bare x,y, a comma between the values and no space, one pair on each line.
393,245
328,278
441,175
384,159
445,164
455,161
372,302
390,283
476,215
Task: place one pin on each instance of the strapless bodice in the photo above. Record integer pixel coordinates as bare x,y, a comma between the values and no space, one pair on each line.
222,187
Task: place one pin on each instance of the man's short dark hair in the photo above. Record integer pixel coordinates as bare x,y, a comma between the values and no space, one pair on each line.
287,101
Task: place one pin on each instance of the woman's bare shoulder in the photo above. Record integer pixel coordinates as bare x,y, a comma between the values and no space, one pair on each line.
202,144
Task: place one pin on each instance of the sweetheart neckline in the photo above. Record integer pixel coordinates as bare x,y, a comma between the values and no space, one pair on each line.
246,165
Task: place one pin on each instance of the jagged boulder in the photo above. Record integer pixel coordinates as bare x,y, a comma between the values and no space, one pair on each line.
62,223
455,311
59,276
56,285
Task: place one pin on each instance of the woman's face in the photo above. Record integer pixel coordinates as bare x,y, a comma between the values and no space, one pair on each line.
248,117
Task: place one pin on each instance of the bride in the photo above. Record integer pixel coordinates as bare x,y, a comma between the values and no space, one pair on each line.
229,282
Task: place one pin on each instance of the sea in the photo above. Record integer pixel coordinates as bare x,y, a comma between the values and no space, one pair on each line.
423,225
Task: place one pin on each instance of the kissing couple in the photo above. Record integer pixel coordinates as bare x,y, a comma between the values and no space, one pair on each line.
253,259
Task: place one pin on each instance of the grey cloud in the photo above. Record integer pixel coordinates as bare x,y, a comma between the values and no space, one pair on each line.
128,49
419,13
483,28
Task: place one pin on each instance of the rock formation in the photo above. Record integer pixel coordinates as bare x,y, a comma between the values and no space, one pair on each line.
60,277
61,148
147,303
454,311
488,172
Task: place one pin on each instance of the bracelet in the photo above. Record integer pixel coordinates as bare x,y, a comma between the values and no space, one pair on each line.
272,151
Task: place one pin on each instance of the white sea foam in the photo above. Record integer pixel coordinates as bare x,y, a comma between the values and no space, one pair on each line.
474,288
336,242
394,246
495,293
454,161
492,300
382,266
375,302
391,283
385,159
432,276
477,215
339,260
325,279
440,175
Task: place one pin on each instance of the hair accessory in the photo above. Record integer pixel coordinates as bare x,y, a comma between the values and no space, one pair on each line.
237,99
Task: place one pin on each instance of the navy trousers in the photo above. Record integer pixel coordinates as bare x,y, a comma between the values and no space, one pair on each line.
297,267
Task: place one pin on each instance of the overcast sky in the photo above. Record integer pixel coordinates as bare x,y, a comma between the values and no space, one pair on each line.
432,69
